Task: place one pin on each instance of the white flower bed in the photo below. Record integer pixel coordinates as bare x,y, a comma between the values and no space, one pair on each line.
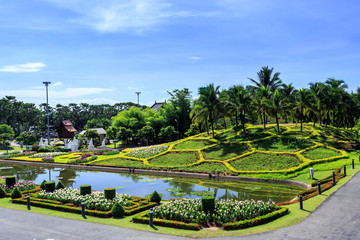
145,152
96,200
48,154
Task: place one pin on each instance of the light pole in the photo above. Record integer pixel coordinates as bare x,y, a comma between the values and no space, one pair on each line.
177,128
47,109
138,93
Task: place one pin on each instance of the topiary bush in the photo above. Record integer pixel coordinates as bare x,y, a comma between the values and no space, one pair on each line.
50,186
85,189
208,204
117,210
59,185
109,193
155,197
16,194
10,181
2,192
35,147
42,185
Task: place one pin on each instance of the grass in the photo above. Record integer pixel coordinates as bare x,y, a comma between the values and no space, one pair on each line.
294,217
174,159
206,167
192,144
12,148
319,153
262,161
224,151
121,162
282,144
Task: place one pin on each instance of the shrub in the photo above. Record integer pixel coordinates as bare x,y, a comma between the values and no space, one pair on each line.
46,149
109,193
49,186
2,192
208,204
10,181
42,185
337,170
35,147
16,194
85,189
155,197
117,210
59,185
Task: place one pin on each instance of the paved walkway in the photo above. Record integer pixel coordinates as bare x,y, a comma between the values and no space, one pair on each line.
337,218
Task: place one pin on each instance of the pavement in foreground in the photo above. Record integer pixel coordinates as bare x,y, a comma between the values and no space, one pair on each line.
337,218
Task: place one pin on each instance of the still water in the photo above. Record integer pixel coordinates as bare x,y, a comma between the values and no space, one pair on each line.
142,185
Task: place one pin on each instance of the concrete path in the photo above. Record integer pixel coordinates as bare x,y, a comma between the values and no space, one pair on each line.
337,218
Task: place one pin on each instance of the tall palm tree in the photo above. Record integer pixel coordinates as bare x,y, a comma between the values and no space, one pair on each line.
337,90
288,93
275,106
262,96
304,100
237,100
320,92
266,78
209,100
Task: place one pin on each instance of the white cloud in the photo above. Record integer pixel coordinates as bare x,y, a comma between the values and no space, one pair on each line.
67,93
26,67
118,16
57,84
195,58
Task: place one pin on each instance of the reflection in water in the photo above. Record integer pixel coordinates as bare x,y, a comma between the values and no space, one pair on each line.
138,185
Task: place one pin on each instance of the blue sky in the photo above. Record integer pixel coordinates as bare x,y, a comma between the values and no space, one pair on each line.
103,51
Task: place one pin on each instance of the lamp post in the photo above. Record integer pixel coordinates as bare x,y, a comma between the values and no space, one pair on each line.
138,93
177,128
47,109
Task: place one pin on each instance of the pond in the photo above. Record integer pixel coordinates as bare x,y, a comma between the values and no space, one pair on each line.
142,185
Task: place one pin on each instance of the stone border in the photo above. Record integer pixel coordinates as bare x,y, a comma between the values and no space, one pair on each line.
156,172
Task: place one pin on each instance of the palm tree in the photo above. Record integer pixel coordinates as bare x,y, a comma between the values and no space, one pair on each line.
319,90
262,97
337,90
209,101
288,93
304,100
275,105
237,100
267,79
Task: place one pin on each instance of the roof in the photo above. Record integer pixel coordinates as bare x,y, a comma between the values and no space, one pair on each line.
156,106
98,130
67,124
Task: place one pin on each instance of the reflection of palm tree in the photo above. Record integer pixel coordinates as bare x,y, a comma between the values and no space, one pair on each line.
185,187
67,174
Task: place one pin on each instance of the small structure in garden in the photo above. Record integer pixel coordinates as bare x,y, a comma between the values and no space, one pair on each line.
66,129
41,143
46,143
91,145
156,106
100,131
103,145
74,145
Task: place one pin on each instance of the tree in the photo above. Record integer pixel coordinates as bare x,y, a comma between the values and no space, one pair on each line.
209,101
304,101
27,138
320,92
267,79
168,133
147,132
124,134
262,97
275,105
6,134
94,135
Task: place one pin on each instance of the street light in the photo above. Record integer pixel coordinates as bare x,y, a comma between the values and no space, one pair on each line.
47,109
177,128
138,93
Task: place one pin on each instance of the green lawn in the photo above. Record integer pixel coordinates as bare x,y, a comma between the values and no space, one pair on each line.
321,152
282,144
174,159
192,144
207,167
262,161
121,162
224,151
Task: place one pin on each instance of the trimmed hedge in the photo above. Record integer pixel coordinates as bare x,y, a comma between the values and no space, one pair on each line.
2,192
50,186
208,204
109,193
117,210
85,189
42,185
59,185
16,194
144,218
256,221
10,181
155,197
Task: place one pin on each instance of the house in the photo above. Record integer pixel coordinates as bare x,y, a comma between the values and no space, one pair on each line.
100,131
66,129
156,106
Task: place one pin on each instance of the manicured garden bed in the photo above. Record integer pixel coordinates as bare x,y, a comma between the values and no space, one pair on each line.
174,159
192,144
320,153
224,151
285,144
122,162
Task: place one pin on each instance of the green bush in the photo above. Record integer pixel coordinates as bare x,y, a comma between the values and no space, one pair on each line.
109,193
155,197
208,204
2,192
117,210
42,185
10,181
85,189
59,185
35,147
16,194
50,186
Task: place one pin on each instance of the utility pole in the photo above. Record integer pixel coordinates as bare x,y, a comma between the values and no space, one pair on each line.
138,93
47,110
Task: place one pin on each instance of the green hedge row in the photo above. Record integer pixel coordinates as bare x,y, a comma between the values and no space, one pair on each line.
132,211
256,221
144,218
327,179
34,190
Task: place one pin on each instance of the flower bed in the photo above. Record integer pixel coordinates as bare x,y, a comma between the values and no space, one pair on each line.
21,185
146,152
48,154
